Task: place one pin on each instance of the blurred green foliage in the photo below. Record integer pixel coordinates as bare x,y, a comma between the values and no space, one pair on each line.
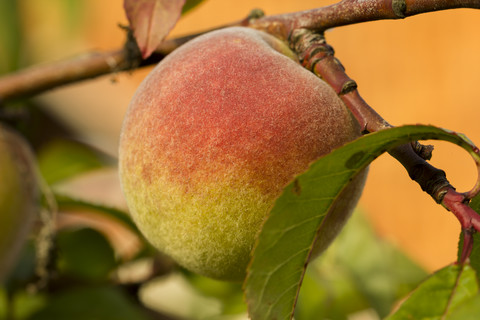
358,272
10,36
85,254
92,302
62,159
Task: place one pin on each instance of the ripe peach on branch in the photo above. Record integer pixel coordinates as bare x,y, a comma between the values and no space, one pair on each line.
212,137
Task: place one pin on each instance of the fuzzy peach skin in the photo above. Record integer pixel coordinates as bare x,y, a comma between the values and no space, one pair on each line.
18,197
211,138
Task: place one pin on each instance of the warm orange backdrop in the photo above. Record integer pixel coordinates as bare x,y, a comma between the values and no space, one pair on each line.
424,69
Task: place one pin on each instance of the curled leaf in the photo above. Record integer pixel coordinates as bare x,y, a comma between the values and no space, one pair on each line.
284,244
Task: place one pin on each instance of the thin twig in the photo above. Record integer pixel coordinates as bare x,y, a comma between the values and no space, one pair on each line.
44,77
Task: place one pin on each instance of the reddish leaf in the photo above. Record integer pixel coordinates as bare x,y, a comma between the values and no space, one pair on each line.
151,21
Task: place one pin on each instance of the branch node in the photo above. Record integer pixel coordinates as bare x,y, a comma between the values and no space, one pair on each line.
255,14
424,151
303,39
432,180
133,54
399,8
348,86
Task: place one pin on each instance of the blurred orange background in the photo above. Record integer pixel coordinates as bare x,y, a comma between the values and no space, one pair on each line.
423,69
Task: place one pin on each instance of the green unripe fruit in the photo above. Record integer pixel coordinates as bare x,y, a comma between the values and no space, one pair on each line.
211,138
18,197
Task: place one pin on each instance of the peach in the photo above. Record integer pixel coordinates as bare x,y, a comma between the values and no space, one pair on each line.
211,138
18,197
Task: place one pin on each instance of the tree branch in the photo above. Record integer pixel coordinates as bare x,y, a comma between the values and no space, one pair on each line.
38,79
41,78
349,12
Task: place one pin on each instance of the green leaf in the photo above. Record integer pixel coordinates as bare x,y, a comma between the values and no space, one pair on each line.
85,254
66,202
475,255
105,303
382,281
350,277
63,159
329,291
27,303
440,295
228,293
284,244
469,310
